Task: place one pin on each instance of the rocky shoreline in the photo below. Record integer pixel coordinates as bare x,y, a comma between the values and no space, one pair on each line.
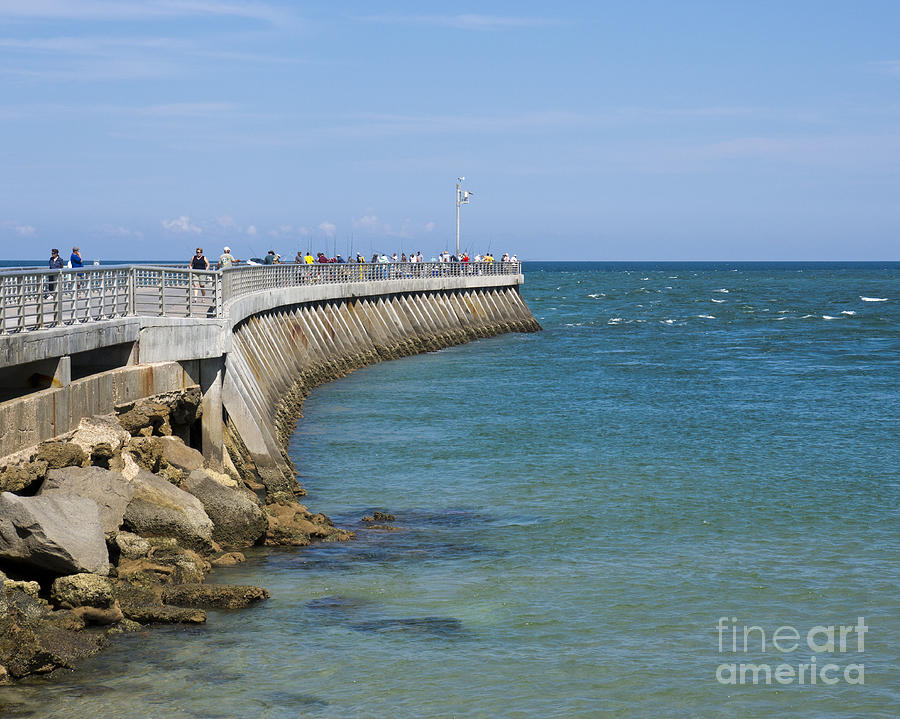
117,524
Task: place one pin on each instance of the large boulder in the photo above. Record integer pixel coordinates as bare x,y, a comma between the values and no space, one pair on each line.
160,509
177,454
214,596
59,533
238,520
110,490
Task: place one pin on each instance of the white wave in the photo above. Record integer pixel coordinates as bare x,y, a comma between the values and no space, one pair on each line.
780,318
721,290
643,279
706,317
783,312
669,322
847,312
718,302
594,296
829,317
806,317
873,299
615,320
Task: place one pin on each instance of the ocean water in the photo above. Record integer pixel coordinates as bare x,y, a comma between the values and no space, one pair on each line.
684,446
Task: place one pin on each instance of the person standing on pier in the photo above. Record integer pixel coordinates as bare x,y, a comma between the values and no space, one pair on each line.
227,259
75,260
56,263
199,262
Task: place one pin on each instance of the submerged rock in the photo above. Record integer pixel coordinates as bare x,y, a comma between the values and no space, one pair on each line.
218,596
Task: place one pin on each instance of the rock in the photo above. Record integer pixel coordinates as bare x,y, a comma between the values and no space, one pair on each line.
100,431
238,520
382,516
145,414
31,642
291,524
103,617
159,509
166,614
16,477
59,454
216,596
147,452
60,533
229,559
177,454
110,490
123,626
32,589
131,546
82,590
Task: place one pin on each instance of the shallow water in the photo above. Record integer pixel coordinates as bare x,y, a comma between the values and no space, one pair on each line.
575,510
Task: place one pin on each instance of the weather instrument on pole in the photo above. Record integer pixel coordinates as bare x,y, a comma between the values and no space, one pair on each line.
462,198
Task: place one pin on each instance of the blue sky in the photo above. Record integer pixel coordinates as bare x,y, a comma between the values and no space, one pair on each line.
587,130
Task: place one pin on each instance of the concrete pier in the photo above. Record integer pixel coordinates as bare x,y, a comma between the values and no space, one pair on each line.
267,336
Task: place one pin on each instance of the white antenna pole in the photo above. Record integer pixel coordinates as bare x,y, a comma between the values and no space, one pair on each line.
458,197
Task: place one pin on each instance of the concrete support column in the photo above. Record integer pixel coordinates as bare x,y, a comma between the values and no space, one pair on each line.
212,372
63,375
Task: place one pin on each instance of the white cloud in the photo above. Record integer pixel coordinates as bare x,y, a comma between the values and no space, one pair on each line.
429,226
25,230
367,222
328,228
110,230
251,230
181,224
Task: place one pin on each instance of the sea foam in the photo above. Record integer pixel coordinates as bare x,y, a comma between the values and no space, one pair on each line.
873,299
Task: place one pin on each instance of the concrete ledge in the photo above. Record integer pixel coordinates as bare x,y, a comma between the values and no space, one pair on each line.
243,307
71,339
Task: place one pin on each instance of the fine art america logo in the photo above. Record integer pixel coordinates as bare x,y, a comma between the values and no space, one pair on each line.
787,644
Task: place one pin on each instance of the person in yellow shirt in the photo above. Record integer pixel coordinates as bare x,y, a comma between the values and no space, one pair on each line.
308,259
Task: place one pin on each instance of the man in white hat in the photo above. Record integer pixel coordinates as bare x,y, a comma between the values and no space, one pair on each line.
226,260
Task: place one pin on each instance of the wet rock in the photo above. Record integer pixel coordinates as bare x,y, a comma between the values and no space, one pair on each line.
30,644
229,559
101,617
292,524
217,596
109,490
166,614
60,533
383,516
82,590
59,454
159,509
238,520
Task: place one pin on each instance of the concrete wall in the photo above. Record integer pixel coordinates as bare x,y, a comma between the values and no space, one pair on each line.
278,355
257,363
39,416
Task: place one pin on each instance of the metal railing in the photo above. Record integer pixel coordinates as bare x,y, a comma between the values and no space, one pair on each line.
33,299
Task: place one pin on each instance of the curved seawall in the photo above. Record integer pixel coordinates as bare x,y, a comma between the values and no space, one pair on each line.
277,356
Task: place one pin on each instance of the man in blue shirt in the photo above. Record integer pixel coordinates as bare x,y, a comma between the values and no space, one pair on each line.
75,259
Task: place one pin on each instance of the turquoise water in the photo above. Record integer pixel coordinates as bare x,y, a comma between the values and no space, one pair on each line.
575,511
